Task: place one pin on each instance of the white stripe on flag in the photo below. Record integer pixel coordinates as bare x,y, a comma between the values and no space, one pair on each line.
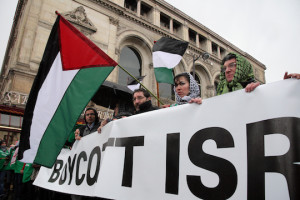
164,59
49,97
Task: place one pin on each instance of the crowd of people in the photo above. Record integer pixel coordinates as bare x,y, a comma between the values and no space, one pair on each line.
16,178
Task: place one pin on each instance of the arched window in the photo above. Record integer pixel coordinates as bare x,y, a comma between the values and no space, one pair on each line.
131,61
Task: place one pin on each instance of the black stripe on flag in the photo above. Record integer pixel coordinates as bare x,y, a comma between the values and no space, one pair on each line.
170,45
51,51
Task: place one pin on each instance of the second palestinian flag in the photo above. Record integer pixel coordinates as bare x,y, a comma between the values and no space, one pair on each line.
167,53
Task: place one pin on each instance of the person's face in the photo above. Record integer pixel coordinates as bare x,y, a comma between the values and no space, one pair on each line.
182,86
230,67
138,99
90,116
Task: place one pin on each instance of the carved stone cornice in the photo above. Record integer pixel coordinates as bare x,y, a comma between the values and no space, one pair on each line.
113,21
79,18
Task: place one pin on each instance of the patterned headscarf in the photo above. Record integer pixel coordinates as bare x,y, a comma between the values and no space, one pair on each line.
243,73
194,92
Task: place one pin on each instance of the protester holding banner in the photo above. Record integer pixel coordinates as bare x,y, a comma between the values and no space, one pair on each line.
142,101
186,90
92,123
292,75
236,73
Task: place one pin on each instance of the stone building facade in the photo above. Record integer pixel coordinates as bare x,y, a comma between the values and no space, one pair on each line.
126,31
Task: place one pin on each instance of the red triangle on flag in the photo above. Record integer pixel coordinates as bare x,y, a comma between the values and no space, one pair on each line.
77,51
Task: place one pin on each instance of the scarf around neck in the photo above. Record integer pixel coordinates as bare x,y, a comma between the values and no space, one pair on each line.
194,92
243,73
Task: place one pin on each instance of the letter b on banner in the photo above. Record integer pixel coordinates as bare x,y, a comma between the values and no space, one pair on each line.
259,164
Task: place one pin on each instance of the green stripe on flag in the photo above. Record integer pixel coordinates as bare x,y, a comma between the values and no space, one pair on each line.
84,85
164,75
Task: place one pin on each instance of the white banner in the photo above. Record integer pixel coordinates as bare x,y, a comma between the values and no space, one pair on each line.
234,146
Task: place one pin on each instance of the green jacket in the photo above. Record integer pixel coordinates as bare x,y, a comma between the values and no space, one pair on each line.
27,172
18,166
3,155
10,166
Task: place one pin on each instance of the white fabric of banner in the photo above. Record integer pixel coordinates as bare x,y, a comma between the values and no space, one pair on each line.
213,147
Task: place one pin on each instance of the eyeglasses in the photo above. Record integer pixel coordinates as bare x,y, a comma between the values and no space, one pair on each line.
138,98
231,65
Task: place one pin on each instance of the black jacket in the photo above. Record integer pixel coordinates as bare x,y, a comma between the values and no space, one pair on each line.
145,107
84,130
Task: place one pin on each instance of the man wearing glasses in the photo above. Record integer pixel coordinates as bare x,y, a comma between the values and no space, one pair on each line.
92,123
236,74
142,101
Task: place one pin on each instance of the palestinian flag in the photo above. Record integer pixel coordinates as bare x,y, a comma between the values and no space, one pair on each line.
167,53
70,73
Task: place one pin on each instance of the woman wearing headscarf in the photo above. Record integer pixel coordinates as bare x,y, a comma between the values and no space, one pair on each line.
186,90
236,74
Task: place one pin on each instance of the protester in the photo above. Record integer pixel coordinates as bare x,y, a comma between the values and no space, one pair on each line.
27,189
293,75
4,153
10,167
142,101
92,124
236,74
186,90
19,168
39,192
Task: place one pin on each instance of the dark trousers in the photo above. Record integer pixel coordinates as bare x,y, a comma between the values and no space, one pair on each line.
2,181
18,186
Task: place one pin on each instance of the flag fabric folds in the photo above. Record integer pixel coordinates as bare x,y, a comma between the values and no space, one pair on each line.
70,73
167,53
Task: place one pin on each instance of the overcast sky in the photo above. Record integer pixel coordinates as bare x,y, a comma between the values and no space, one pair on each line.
269,30
7,12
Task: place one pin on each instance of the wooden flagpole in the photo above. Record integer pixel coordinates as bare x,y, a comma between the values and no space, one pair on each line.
157,86
141,84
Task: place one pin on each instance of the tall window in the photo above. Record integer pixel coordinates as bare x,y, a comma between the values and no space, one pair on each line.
131,4
131,61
